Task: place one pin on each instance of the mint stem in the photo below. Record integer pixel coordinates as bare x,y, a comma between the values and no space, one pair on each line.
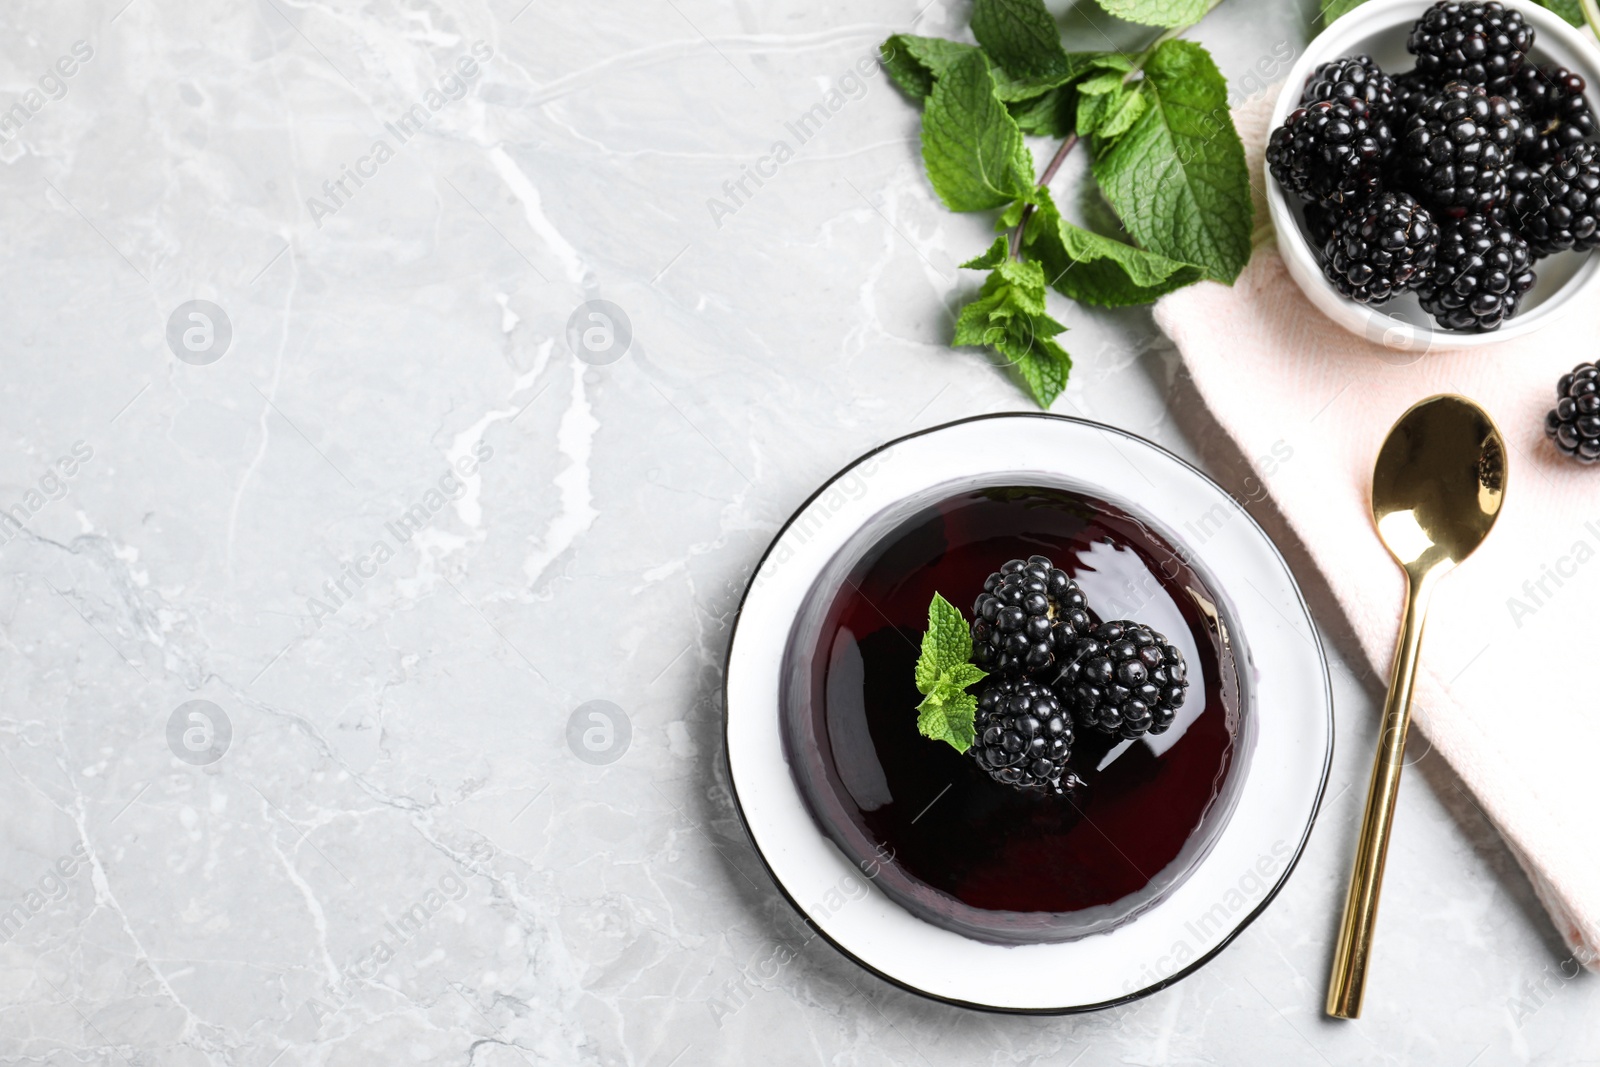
1044,179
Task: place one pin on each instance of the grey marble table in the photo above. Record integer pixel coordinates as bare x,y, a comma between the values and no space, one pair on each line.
310,585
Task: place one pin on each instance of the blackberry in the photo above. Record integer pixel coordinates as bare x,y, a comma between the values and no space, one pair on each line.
1124,679
1481,44
1555,113
1354,78
1411,91
1382,250
1559,211
1330,151
1519,186
1024,736
1027,617
1455,150
1479,275
1574,423
1322,222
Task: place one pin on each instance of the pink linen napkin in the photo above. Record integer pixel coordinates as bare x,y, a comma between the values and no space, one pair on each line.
1503,690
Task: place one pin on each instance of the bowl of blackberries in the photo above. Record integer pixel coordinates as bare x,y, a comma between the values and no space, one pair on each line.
1434,171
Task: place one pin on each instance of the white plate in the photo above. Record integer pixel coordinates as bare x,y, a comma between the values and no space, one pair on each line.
1379,28
1288,700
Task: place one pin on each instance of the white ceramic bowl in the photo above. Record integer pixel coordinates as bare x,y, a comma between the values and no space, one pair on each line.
1288,705
1380,28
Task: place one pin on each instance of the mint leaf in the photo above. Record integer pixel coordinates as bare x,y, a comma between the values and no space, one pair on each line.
1095,269
1008,316
1123,109
1020,35
1571,10
1043,365
1158,12
996,253
949,719
1049,115
947,644
1177,177
1108,115
943,675
1334,8
971,145
915,63
1052,114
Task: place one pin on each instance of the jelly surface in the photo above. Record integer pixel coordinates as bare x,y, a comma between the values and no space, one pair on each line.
956,842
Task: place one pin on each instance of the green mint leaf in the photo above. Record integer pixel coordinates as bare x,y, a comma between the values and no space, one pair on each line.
1101,83
1099,270
1158,12
963,675
1050,115
946,644
943,675
1042,364
1122,110
1008,315
995,256
1019,35
971,145
1177,178
1571,10
1053,114
949,719
915,63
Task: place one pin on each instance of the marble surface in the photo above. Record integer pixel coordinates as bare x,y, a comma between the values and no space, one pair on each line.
371,511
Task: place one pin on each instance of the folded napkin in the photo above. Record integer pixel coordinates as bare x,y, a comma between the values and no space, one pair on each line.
1503,692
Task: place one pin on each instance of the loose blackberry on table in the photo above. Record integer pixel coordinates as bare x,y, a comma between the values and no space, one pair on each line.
1559,211
1027,617
1480,274
1477,43
1024,735
1574,423
1330,151
1381,249
1125,679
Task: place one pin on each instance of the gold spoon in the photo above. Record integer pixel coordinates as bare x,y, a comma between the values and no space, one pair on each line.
1436,492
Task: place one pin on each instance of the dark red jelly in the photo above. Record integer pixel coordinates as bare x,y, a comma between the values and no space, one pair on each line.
936,833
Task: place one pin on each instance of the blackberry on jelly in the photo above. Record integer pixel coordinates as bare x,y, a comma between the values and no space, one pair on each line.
1027,617
1125,679
1024,735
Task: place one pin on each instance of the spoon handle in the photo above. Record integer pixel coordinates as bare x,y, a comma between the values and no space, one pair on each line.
1347,984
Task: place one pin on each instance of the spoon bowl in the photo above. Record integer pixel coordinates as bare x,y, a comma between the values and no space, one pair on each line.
1438,484
1436,492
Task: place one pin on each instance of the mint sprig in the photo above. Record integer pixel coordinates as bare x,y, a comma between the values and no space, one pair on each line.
1166,159
944,673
